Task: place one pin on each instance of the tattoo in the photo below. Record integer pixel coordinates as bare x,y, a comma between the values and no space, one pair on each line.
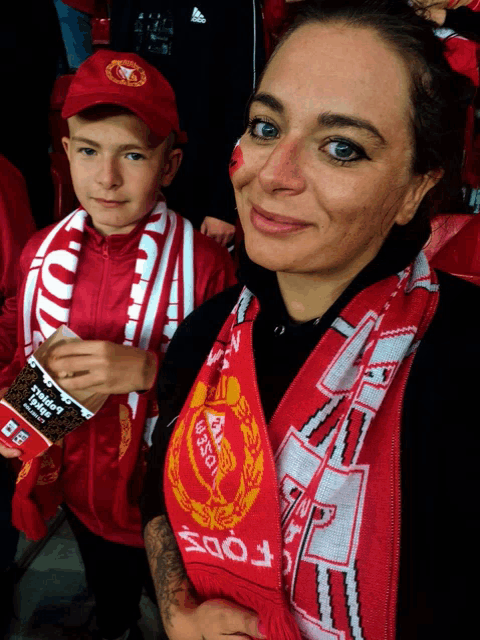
166,565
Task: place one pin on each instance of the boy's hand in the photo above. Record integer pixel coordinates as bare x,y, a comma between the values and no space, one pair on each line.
6,452
103,366
222,232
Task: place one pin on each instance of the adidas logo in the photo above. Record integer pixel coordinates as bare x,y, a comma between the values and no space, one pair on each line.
197,16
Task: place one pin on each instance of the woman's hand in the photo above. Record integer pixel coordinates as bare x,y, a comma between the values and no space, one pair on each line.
214,619
184,616
102,366
211,620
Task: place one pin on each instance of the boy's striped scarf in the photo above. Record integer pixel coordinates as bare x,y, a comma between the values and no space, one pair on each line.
299,519
161,292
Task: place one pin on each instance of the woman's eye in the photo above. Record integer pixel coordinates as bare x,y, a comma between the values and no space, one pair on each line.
87,151
344,151
135,156
262,129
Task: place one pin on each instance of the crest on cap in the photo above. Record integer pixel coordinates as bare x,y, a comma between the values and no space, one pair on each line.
126,72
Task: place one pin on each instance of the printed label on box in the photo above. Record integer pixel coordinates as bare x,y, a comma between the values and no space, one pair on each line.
37,398
36,412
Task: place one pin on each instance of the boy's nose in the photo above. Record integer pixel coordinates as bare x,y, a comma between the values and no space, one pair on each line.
109,175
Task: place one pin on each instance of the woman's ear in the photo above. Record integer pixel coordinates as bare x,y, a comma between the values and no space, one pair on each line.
420,186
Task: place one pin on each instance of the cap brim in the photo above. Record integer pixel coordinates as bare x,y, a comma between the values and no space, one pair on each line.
154,122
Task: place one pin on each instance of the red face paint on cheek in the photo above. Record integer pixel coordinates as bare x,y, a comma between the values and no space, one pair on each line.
236,160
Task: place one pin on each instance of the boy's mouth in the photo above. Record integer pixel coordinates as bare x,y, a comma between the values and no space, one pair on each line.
109,203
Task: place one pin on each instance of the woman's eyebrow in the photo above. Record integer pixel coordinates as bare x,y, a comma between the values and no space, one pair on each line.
329,119
269,101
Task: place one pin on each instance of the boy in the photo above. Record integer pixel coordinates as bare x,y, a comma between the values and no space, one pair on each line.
122,272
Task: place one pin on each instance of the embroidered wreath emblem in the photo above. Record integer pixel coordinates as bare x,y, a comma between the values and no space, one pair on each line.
49,470
24,470
126,72
126,434
230,491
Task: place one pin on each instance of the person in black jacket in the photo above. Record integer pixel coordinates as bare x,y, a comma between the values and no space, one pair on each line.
210,51
347,136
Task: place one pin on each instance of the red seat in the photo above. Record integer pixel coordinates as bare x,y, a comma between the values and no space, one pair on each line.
58,126
454,246
65,199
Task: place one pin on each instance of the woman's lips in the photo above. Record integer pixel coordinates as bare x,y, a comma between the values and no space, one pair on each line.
272,223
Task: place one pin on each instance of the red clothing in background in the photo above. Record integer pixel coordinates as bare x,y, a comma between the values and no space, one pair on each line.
16,226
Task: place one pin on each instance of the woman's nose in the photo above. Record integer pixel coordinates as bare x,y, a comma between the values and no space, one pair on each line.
282,169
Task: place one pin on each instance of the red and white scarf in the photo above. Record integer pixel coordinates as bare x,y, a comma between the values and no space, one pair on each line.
161,296
299,519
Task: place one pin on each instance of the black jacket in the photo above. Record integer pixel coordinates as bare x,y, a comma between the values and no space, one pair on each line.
440,443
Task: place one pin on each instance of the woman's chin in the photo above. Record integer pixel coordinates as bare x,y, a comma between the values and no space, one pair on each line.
267,257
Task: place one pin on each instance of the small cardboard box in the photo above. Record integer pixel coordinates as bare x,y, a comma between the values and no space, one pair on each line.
36,412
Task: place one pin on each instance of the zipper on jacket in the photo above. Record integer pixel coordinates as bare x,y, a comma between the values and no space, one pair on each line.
396,494
396,488
92,439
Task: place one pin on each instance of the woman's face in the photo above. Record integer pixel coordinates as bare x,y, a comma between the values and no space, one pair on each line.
327,156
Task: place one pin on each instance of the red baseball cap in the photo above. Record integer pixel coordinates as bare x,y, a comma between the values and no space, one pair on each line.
126,80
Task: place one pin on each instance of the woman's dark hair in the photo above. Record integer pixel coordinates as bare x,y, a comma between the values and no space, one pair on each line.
439,95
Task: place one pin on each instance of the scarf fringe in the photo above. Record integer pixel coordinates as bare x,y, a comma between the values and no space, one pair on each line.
272,609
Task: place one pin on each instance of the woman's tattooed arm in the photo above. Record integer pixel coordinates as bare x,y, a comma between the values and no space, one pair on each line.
169,577
184,616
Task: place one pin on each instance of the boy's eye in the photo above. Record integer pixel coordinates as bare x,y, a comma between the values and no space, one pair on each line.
344,151
87,151
262,129
133,155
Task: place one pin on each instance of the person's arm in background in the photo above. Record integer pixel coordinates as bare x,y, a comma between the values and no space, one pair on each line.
459,15
465,21
219,230
16,226
242,56
214,269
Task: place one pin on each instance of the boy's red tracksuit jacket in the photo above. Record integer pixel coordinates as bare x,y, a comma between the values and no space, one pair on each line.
91,481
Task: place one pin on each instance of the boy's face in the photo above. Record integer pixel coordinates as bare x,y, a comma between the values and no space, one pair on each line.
117,174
